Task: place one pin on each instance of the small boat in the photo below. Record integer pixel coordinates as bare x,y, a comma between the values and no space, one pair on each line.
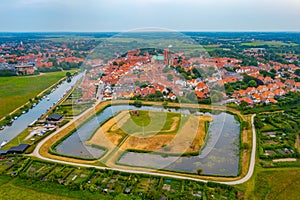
3,143
48,99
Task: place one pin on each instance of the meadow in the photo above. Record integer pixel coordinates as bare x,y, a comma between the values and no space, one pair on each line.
278,184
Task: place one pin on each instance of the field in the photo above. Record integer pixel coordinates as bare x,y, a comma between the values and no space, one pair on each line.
9,191
16,91
267,43
152,131
278,184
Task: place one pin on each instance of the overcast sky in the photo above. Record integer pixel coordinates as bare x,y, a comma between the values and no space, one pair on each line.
123,15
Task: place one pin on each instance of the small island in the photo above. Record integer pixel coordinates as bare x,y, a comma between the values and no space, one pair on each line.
152,131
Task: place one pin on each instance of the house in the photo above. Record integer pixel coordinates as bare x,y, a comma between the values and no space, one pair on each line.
270,100
172,97
54,117
279,92
127,191
25,69
201,86
256,98
268,80
298,86
3,152
21,148
250,90
262,88
267,95
247,100
200,95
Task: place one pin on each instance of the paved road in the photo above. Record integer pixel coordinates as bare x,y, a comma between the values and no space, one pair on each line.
240,181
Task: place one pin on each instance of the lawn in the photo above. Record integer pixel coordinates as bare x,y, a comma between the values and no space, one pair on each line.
16,91
146,123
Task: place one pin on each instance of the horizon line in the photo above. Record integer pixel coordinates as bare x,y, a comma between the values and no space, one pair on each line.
183,31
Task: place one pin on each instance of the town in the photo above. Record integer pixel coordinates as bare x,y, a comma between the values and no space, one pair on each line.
247,88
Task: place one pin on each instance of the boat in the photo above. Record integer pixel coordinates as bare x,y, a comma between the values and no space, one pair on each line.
48,99
3,143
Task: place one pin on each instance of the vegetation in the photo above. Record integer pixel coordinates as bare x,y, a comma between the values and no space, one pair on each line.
275,184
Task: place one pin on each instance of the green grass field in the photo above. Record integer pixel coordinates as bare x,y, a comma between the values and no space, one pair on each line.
268,43
278,184
151,122
269,184
16,91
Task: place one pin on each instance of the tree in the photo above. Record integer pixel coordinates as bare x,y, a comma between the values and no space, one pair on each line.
273,71
243,105
215,98
245,146
170,77
166,70
165,104
68,74
258,123
297,72
199,171
252,83
137,103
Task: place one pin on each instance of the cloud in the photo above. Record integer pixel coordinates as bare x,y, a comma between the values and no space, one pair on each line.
174,14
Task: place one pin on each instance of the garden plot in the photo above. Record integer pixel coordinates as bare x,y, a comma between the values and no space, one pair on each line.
7,162
277,135
143,185
56,174
38,169
78,176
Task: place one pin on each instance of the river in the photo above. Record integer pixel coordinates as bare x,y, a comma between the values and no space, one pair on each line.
22,122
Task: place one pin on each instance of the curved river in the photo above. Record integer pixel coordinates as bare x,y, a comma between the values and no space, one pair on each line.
220,155
21,123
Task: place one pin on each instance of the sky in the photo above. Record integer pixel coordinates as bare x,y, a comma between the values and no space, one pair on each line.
125,15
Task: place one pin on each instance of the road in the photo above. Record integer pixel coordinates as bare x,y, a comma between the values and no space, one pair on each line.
36,153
